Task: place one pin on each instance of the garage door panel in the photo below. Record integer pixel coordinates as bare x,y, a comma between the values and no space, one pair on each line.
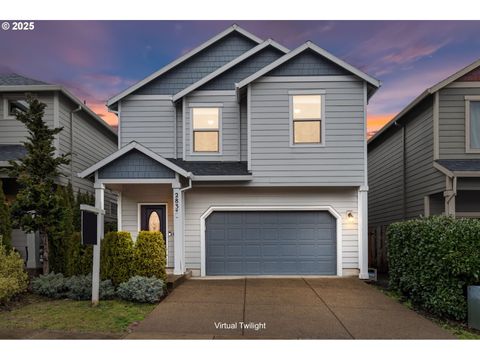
269,243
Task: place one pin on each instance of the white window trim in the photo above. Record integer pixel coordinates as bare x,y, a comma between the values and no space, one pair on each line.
330,209
468,148
220,129
6,99
291,94
139,222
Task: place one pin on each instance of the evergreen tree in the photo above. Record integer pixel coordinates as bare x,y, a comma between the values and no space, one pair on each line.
36,207
5,224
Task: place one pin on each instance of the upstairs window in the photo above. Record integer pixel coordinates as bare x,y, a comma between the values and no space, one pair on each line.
472,118
13,105
307,120
206,130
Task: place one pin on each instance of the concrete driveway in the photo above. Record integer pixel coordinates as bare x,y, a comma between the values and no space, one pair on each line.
287,308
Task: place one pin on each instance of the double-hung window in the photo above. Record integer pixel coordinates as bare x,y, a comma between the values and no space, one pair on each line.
206,130
307,119
472,112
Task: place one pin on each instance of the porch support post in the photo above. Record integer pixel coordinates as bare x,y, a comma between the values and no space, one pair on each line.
178,214
363,232
99,204
450,195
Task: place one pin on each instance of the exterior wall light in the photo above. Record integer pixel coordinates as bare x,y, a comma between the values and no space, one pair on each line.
349,215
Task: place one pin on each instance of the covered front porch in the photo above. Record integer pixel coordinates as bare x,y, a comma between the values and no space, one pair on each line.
150,192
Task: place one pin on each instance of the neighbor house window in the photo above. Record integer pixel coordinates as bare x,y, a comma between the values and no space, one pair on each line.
206,129
14,105
473,125
307,119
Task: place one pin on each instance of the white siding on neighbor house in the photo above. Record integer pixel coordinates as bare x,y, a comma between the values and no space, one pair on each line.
230,127
150,123
199,199
13,131
341,161
132,195
452,122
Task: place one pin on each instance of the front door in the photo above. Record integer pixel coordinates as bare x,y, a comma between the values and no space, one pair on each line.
153,218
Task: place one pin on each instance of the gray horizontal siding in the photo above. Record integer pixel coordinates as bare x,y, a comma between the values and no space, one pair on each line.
230,127
308,63
150,123
387,201
452,123
13,131
275,162
135,165
198,66
227,80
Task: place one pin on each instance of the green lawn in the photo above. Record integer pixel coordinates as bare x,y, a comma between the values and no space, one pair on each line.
110,316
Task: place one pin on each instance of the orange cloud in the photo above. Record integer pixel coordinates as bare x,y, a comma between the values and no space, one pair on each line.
101,110
377,121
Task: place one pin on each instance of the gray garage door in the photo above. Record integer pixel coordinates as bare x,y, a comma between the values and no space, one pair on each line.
271,243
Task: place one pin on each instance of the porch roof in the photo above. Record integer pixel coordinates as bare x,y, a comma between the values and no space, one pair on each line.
11,152
459,167
211,168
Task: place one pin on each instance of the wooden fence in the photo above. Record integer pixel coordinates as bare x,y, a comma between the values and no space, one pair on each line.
377,248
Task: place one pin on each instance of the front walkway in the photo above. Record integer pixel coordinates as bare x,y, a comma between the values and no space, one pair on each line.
289,308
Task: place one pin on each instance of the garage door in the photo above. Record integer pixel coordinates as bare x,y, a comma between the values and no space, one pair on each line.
271,243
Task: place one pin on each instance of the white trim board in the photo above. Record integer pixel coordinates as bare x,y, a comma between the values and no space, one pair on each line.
328,208
181,59
229,65
468,146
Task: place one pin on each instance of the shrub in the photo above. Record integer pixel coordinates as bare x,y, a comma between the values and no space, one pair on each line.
117,257
79,257
150,256
142,289
433,260
80,288
51,285
13,278
5,222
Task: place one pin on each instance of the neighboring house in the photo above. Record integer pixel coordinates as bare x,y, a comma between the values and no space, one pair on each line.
250,158
89,140
426,161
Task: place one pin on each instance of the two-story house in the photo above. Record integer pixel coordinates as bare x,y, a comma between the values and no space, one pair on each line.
250,158
426,160
85,135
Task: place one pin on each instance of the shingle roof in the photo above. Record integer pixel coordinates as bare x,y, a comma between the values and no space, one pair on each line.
11,152
208,168
460,165
16,79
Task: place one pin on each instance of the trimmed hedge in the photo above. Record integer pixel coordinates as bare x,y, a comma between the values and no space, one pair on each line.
116,257
79,257
13,278
433,260
150,255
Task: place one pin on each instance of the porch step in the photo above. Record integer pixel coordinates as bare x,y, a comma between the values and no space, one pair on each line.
174,280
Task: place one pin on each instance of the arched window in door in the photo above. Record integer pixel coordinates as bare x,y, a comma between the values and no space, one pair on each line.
154,222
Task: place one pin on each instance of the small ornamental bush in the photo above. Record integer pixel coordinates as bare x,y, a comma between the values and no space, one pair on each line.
80,288
117,257
150,255
432,261
13,278
142,289
51,285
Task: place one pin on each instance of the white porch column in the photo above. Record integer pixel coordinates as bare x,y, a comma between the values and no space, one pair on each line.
363,232
99,204
178,215
450,195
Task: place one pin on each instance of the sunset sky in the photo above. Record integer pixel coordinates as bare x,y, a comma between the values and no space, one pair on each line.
98,59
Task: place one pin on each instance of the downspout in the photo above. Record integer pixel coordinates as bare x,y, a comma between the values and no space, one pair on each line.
404,169
79,108
175,130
